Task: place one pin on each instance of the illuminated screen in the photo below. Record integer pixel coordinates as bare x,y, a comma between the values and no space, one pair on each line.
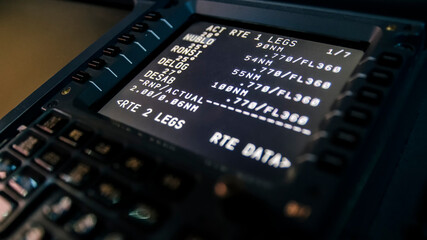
250,100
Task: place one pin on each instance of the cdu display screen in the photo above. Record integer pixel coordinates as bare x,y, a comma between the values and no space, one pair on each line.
248,99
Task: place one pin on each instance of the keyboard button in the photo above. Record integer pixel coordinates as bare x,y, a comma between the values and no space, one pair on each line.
136,166
107,192
332,163
126,38
8,164
6,207
51,158
140,27
36,232
144,214
345,138
390,60
75,136
111,51
357,116
369,95
101,148
52,123
25,182
81,76
28,144
174,183
380,77
83,225
96,63
152,16
78,174
58,210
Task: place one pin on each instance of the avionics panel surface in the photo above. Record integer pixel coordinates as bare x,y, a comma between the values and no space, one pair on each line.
248,99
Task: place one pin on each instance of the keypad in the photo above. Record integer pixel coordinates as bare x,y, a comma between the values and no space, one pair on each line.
57,152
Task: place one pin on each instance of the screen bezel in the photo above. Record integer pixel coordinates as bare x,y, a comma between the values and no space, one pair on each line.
100,102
